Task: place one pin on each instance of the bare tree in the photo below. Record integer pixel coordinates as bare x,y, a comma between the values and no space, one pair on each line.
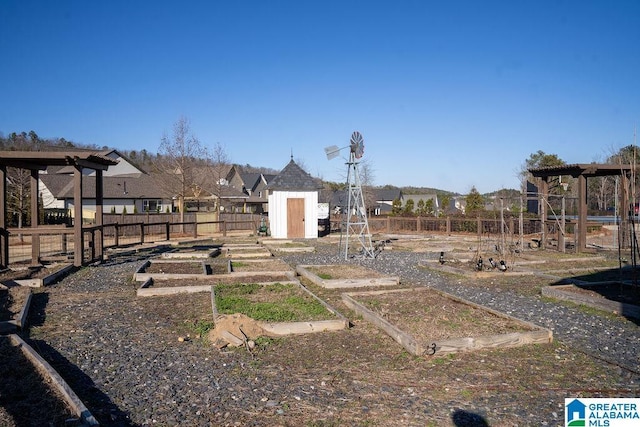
180,155
367,179
218,167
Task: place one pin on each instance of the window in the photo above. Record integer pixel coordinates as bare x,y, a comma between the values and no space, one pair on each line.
151,205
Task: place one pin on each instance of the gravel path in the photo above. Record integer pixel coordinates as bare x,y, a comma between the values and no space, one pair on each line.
121,356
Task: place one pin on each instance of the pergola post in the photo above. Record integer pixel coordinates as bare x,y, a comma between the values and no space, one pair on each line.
35,237
4,234
98,240
543,197
582,214
581,172
78,237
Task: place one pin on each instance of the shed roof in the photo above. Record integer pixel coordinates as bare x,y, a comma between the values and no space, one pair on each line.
294,178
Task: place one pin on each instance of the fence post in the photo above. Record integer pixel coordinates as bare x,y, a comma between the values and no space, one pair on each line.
195,229
168,230
142,232
388,224
448,225
116,234
418,228
92,244
224,229
63,243
479,227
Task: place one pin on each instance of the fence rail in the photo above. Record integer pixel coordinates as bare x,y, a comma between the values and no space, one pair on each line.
29,244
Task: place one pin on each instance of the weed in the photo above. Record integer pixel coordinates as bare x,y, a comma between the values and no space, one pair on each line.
281,303
324,276
202,327
238,264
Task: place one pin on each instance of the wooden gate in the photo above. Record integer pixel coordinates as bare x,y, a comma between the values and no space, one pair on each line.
295,218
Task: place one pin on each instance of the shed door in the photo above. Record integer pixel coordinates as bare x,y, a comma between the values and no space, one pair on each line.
295,218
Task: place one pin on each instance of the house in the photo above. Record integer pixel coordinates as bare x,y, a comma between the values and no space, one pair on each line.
380,201
384,200
126,187
293,203
429,203
253,186
457,205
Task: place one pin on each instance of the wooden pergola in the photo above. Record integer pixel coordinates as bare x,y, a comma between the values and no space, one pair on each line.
36,161
581,172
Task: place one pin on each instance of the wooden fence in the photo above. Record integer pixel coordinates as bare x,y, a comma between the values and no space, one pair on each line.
121,230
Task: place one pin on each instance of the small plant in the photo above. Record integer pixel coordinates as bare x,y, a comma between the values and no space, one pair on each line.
324,276
282,302
202,327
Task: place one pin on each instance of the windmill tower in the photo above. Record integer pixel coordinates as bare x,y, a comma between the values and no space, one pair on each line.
355,225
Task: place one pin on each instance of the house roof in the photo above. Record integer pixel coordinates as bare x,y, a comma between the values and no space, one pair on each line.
114,187
424,197
294,178
387,194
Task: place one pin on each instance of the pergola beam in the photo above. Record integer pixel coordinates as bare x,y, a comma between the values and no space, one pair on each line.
580,171
36,161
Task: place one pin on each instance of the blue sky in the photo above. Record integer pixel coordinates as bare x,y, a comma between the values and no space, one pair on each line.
447,94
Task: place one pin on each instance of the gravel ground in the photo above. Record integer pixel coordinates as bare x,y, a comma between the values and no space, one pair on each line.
124,360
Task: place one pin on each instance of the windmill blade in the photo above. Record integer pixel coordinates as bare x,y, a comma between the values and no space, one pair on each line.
332,151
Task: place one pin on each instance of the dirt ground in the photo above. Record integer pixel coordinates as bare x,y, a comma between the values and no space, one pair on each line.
362,377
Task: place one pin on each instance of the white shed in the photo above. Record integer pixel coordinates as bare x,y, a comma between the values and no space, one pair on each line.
293,204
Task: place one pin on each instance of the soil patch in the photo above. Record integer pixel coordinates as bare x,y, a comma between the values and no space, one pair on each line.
175,268
618,292
12,300
274,303
271,265
430,315
26,399
346,271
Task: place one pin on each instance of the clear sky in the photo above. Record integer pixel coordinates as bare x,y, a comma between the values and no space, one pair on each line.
447,94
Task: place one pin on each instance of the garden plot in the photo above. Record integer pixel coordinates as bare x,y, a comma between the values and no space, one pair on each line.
265,271
33,393
264,266
175,269
246,311
615,297
553,263
430,322
38,276
14,307
345,276
245,250
287,246
194,252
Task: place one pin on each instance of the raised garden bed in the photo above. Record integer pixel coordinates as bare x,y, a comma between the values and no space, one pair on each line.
172,269
14,307
37,276
345,276
265,265
153,287
242,250
280,308
614,297
196,252
287,246
33,393
429,322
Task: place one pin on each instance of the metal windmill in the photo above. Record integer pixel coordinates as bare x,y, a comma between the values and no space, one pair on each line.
354,219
